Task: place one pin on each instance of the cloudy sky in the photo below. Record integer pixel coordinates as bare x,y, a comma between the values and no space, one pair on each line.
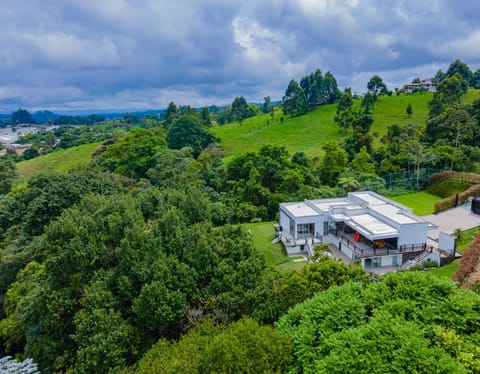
142,54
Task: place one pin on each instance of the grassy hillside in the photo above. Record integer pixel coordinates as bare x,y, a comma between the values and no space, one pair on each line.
307,133
57,162
392,110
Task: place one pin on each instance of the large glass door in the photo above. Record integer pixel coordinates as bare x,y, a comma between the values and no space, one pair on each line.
305,230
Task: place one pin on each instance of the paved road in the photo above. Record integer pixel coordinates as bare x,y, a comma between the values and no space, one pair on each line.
456,218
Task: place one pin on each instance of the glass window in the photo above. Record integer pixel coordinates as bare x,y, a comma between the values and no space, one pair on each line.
292,226
325,228
305,230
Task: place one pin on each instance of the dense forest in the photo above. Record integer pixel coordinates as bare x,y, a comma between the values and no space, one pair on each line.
138,262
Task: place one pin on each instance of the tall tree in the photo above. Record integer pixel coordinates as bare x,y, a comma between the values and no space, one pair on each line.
8,172
332,164
345,116
375,85
171,112
239,109
463,71
266,107
294,101
330,90
448,93
205,117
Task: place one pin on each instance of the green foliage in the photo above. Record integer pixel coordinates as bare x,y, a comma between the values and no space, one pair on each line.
332,164
133,154
242,347
375,85
462,70
295,101
12,331
448,93
447,187
47,196
115,283
283,291
409,110
8,172
241,110
187,131
345,115
375,327
255,177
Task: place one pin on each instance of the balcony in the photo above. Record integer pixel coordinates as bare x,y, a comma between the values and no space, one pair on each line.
362,249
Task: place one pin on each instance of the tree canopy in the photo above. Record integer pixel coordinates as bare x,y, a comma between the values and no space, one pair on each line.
409,322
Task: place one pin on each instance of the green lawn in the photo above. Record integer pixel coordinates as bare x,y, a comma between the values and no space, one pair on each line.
446,271
57,162
274,254
421,202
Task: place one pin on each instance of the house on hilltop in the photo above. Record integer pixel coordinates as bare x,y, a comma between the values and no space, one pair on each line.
426,85
364,225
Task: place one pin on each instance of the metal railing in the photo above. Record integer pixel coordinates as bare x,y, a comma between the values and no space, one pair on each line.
364,251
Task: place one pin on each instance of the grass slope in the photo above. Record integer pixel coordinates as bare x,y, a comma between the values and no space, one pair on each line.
57,162
274,254
307,133
391,110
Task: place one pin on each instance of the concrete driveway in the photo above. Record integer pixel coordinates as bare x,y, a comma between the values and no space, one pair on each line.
455,218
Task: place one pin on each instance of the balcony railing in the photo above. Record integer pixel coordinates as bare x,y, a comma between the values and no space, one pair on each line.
291,242
365,250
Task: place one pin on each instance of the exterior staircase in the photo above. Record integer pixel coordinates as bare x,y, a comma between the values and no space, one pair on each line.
414,261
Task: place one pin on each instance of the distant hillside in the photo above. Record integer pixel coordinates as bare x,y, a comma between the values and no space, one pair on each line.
57,162
307,133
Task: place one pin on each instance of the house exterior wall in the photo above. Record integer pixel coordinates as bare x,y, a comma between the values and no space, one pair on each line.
285,223
413,233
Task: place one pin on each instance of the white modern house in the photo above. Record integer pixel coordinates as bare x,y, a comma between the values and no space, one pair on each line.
364,225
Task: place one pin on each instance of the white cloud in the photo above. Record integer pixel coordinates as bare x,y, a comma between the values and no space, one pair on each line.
145,53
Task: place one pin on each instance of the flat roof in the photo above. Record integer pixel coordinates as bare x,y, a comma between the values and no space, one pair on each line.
372,227
356,205
395,214
369,198
300,209
328,205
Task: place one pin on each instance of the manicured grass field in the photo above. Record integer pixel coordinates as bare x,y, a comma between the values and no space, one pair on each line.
57,162
421,202
274,254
